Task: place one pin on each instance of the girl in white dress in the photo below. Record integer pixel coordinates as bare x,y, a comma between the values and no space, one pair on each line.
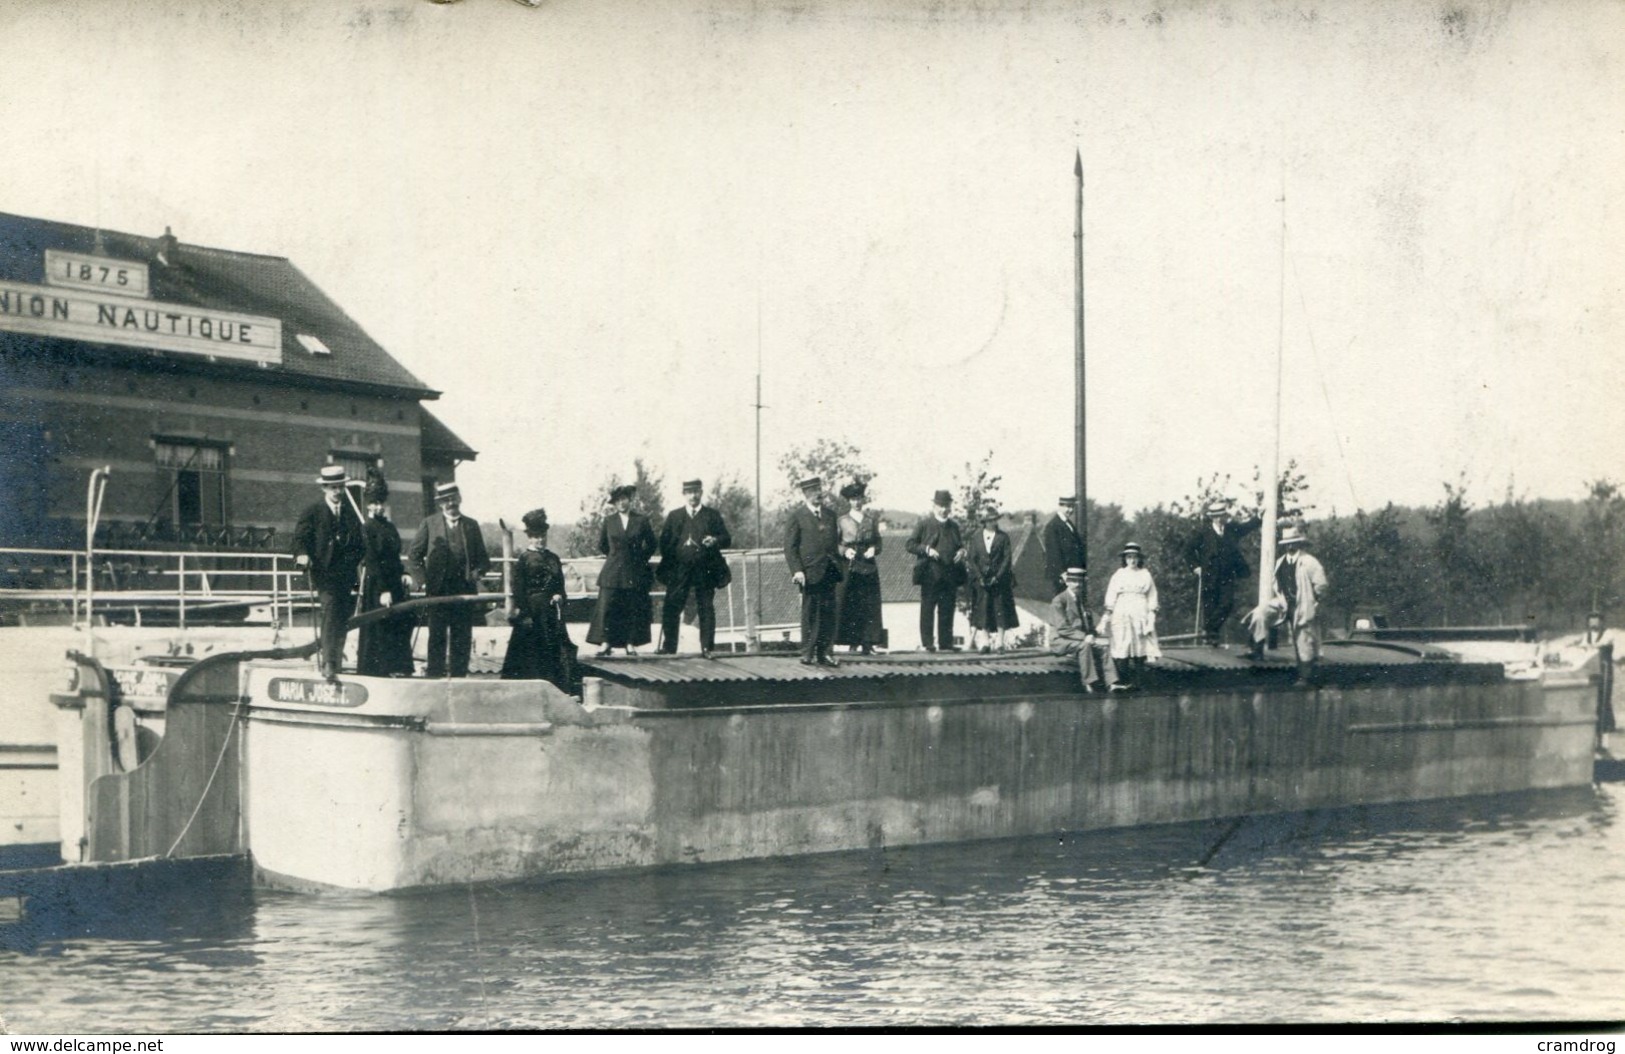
1131,610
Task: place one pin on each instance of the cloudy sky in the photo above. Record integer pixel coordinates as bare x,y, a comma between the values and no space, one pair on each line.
584,222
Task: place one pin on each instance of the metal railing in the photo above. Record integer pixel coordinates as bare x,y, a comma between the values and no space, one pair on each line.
190,583
149,580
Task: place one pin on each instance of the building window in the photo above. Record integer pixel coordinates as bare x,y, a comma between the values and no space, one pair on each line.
355,462
196,477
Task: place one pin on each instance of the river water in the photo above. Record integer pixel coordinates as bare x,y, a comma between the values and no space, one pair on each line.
1501,909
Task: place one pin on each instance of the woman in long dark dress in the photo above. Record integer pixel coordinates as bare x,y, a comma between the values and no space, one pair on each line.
857,596
539,648
384,647
992,581
627,541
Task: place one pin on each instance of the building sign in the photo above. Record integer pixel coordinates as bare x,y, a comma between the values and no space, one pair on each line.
316,693
102,318
101,273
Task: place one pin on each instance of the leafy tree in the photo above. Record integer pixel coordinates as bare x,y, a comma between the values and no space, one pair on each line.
836,461
1457,566
976,487
649,500
1376,566
1602,533
729,496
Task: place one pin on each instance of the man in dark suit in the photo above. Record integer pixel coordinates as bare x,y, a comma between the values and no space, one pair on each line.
691,544
448,556
329,542
1214,553
810,545
939,571
1062,546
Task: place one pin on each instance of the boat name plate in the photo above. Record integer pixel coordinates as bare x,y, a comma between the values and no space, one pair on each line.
313,692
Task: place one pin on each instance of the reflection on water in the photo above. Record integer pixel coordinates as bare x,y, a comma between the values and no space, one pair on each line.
1494,909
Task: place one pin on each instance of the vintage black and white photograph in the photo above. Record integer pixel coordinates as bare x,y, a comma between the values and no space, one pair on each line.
532,515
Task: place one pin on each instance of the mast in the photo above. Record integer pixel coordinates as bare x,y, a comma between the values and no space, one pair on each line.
1080,476
1272,488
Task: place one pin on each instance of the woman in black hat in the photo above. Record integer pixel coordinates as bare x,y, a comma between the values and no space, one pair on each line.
539,648
627,541
384,647
992,582
857,596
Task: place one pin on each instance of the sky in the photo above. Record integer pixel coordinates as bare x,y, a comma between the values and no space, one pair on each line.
587,223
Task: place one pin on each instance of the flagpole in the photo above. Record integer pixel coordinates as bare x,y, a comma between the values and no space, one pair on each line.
1272,485
1080,454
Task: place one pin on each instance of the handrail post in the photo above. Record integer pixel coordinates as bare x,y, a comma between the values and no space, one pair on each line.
752,634
1605,692
181,582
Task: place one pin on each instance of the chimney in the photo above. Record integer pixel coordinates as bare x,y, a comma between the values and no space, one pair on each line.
167,246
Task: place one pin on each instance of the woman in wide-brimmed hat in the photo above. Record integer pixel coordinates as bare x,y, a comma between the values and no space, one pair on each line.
1131,613
539,648
857,595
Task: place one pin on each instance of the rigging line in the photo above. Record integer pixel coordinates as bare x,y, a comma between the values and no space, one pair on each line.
1325,392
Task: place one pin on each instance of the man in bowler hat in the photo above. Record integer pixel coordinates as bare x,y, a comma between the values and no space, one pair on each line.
448,556
329,542
691,544
939,571
810,545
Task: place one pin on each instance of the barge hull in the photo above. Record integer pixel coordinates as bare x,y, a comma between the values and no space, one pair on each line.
428,784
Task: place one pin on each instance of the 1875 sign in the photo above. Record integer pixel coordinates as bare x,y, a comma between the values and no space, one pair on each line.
101,300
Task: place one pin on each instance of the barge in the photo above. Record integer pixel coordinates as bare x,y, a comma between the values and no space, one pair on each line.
385,784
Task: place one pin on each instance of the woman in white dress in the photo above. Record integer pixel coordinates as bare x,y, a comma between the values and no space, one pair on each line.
1131,611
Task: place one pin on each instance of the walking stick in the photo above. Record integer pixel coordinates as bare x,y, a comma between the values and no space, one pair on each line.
1197,629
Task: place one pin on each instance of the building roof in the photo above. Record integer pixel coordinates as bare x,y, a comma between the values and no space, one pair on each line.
220,280
442,440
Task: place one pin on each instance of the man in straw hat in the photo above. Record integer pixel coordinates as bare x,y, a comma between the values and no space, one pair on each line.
1073,634
329,542
448,557
939,571
691,543
1214,554
1299,584
810,543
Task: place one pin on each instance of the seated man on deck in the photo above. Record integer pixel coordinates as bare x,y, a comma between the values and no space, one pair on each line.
1074,635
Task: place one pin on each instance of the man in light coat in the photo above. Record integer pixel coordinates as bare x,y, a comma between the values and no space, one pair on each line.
1073,634
1300,584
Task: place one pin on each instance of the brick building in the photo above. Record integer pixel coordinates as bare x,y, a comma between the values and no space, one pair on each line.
214,383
